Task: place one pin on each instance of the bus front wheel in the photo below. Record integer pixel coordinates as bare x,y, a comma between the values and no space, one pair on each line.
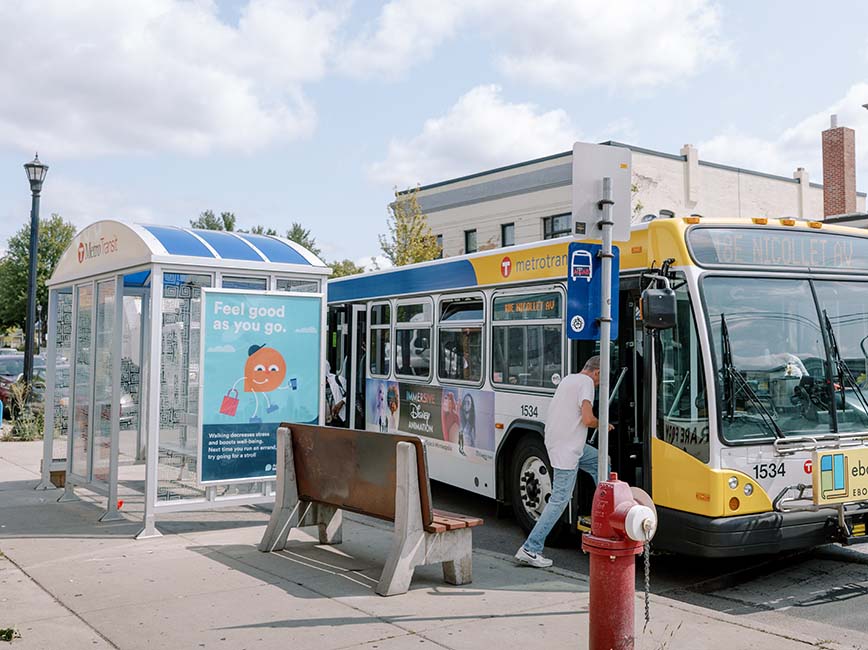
530,479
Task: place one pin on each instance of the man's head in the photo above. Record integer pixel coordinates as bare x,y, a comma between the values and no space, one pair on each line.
592,369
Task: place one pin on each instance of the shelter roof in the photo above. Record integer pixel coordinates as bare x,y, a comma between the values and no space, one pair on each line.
108,246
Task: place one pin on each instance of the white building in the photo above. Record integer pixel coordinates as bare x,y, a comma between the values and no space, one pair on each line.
530,201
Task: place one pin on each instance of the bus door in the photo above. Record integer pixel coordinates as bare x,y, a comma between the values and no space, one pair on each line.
356,379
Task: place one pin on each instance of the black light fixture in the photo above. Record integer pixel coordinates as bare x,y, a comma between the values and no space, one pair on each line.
36,172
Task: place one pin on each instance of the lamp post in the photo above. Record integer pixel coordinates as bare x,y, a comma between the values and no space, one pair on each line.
39,327
36,172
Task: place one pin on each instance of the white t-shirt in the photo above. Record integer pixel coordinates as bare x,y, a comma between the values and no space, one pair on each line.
565,433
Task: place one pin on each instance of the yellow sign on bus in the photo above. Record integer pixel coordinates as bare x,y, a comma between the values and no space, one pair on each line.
840,475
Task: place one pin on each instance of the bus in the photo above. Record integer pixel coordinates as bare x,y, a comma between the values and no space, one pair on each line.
720,418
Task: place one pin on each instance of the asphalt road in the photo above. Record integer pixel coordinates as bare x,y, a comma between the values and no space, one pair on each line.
828,584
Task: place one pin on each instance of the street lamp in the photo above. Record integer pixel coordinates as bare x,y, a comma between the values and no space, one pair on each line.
36,172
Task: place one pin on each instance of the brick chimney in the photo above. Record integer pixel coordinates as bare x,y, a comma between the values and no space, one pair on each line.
839,169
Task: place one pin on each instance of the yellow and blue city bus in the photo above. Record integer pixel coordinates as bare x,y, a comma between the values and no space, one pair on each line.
720,418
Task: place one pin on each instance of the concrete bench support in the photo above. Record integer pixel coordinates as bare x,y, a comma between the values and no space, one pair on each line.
412,545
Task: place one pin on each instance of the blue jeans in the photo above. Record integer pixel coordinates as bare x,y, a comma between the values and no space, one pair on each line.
562,491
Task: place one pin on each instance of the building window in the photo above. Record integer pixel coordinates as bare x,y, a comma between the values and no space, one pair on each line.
557,225
507,234
470,241
440,246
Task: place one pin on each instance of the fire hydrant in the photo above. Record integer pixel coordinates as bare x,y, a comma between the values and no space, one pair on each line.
620,525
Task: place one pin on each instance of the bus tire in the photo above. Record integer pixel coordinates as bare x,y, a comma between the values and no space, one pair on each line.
530,480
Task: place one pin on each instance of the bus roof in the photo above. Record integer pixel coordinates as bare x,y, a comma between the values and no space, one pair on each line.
546,260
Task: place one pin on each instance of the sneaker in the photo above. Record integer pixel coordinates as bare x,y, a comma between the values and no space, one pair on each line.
584,524
532,559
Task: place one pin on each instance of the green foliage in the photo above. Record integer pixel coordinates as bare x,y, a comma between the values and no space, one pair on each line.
209,221
344,268
55,234
27,424
8,633
260,230
410,239
300,235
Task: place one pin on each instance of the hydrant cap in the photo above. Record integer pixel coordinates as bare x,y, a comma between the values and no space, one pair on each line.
635,523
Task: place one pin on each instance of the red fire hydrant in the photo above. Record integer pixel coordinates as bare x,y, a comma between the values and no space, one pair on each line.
619,527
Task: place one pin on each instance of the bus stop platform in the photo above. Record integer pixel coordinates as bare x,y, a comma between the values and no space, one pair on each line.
69,582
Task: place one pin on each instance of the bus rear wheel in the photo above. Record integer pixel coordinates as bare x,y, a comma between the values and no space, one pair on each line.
530,480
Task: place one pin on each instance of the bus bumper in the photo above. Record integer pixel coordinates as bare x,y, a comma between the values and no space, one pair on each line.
757,534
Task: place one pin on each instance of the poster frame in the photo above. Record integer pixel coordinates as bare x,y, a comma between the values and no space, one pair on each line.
206,294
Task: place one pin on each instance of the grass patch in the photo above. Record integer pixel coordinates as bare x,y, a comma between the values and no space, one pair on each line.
8,633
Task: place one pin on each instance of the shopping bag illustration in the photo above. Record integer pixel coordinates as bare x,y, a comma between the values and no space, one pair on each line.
229,405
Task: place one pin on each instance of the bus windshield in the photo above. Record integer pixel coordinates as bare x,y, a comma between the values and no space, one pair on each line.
773,343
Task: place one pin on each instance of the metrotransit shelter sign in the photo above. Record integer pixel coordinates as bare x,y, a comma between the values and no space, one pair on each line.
584,291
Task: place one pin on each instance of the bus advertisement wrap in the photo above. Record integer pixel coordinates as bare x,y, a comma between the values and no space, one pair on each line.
261,367
463,417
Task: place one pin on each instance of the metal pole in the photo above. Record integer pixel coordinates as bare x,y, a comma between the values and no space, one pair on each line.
605,224
31,293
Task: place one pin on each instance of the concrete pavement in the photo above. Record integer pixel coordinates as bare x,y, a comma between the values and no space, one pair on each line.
69,582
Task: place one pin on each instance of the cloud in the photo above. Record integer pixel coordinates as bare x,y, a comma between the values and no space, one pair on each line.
162,75
405,33
604,43
306,330
222,348
559,43
480,131
797,146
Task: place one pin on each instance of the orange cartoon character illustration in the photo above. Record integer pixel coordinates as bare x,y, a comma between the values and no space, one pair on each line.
264,372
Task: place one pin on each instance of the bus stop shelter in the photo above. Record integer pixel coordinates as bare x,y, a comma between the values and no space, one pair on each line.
123,359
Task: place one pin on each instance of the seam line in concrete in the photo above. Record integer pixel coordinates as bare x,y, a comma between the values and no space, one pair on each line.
62,604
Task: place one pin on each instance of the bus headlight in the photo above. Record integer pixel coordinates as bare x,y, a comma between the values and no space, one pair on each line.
748,489
733,482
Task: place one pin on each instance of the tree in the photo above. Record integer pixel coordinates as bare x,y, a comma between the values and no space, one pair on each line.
208,221
410,239
260,230
300,235
344,268
55,235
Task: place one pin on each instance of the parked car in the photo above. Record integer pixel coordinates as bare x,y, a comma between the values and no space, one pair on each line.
12,371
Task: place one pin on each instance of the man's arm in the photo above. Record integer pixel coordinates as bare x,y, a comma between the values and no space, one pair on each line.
588,417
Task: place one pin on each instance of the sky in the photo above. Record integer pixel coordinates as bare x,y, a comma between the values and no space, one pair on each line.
152,111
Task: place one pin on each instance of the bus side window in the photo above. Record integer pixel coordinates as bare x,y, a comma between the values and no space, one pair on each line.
460,333
380,347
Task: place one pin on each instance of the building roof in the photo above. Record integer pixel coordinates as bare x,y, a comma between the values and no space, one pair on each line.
613,143
108,246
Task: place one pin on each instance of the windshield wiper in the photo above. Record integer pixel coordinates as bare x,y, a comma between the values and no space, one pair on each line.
732,377
842,367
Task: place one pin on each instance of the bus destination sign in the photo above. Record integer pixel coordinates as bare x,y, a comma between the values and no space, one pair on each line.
525,307
782,248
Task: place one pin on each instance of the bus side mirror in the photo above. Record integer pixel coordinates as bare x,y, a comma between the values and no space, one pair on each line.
658,309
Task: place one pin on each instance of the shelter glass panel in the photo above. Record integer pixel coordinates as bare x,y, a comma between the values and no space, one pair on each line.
102,379
62,356
179,384
250,284
131,376
294,284
83,376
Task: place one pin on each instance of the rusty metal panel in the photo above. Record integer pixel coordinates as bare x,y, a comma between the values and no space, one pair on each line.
353,470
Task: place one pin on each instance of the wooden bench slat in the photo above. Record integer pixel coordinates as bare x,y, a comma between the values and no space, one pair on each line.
470,521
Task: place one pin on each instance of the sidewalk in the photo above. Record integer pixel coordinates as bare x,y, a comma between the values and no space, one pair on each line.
69,582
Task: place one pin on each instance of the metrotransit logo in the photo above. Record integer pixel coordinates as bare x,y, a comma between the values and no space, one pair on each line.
506,266
90,250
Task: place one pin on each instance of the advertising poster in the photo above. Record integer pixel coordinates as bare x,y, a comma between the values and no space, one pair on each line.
261,366
460,419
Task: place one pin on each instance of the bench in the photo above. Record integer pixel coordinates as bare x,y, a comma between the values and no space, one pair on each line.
322,471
